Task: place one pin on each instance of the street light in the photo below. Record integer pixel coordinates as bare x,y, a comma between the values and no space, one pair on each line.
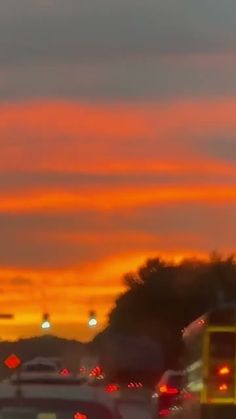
45,322
45,325
92,319
93,322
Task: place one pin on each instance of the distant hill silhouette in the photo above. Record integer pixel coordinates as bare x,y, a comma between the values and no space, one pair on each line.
69,351
140,357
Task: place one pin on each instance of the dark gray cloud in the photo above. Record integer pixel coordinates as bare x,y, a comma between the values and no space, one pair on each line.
109,28
20,250
15,182
61,241
123,78
114,48
221,148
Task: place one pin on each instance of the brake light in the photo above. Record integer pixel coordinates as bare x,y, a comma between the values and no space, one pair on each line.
79,415
135,385
164,412
111,388
96,372
64,372
168,390
223,387
224,370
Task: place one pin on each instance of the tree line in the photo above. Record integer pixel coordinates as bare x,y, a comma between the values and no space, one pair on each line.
162,297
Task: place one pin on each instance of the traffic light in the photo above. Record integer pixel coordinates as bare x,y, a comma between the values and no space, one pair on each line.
221,370
46,321
92,322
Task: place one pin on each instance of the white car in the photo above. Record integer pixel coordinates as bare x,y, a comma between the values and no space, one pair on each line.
29,396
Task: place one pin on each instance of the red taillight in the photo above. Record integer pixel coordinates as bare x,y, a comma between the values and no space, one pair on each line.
65,372
96,372
168,390
164,412
79,415
135,385
224,370
111,388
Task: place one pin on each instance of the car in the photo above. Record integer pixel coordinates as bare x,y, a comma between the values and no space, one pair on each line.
134,391
38,367
30,396
167,392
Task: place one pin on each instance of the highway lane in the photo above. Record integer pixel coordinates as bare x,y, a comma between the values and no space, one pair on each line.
134,410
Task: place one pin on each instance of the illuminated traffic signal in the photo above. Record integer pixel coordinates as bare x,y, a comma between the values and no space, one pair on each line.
92,322
221,370
224,370
46,321
223,387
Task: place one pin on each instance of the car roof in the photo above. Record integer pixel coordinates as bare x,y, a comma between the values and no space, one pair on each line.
41,361
166,377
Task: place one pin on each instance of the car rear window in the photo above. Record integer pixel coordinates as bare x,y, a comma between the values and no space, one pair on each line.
176,381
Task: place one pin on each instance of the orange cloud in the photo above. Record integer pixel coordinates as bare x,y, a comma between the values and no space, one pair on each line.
62,137
77,290
74,136
110,199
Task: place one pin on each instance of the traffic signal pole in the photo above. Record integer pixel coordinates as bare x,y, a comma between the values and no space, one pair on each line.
6,316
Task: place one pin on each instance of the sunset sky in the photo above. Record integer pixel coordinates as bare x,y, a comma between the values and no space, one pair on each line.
117,143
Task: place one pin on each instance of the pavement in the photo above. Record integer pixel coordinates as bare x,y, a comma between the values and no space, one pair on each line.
132,410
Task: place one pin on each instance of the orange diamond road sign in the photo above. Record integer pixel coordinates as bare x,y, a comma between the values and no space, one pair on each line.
12,362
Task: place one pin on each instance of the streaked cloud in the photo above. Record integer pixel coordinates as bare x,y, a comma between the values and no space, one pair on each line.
57,135
117,143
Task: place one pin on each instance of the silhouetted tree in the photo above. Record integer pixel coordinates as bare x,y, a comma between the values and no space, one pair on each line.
163,297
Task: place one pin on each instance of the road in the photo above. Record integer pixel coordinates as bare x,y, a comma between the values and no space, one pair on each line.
135,411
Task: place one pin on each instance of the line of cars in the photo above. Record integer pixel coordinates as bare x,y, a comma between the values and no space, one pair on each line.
39,390
166,400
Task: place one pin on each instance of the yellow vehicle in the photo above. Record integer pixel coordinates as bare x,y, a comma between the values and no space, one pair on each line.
210,342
